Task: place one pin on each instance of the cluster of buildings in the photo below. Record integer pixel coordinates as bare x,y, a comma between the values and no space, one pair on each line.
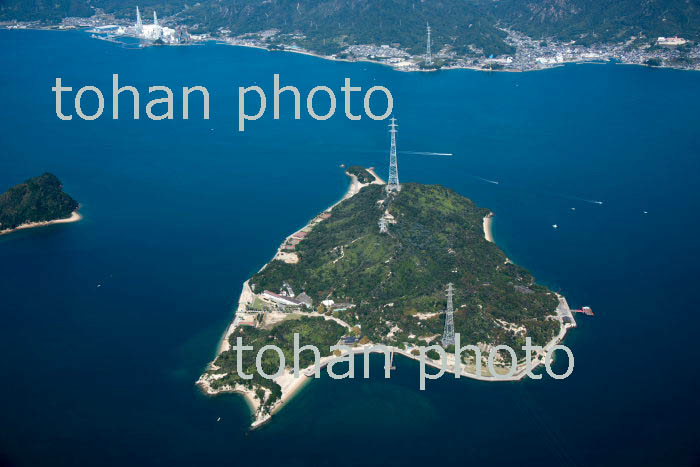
156,32
286,298
532,54
535,54
105,27
377,52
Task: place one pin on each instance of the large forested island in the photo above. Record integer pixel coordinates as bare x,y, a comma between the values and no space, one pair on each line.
373,269
38,201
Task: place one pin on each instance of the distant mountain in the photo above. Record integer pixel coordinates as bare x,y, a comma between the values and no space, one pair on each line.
44,10
330,25
591,21
39,199
465,25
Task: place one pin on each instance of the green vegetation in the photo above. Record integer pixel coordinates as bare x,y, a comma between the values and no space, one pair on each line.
38,199
467,27
312,331
363,176
396,280
328,26
437,239
595,21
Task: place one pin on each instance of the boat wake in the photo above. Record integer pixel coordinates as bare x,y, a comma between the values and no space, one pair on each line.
592,201
493,182
419,153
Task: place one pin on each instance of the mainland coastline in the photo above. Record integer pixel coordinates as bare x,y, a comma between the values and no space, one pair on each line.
291,384
290,48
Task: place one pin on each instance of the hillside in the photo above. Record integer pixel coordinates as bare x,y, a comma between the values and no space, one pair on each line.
385,287
594,21
39,199
435,237
465,27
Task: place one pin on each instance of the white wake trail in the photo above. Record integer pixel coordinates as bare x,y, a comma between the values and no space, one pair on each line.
420,153
487,180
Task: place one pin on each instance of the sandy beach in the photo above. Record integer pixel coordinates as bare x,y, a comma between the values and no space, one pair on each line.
291,385
74,217
379,179
488,222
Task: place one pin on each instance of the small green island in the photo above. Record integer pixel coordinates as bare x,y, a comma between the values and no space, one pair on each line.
38,201
373,269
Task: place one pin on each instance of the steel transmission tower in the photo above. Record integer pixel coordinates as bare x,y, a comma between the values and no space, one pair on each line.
448,337
428,53
393,184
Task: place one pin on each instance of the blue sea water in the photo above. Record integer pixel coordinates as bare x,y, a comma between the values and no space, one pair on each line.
179,213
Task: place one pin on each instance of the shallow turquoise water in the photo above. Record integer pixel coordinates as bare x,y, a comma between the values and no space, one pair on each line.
179,213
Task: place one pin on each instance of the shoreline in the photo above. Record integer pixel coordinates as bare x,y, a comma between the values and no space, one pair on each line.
74,217
223,41
246,297
488,227
291,385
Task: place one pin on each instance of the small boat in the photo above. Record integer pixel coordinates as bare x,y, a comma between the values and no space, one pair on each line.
555,226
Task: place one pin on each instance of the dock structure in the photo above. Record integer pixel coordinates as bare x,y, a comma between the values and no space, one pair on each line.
586,310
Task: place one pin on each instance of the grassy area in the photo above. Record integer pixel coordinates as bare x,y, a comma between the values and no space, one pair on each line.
437,238
312,331
363,176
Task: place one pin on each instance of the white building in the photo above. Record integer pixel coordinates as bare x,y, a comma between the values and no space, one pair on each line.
671,40
281,299
559,58
155,31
